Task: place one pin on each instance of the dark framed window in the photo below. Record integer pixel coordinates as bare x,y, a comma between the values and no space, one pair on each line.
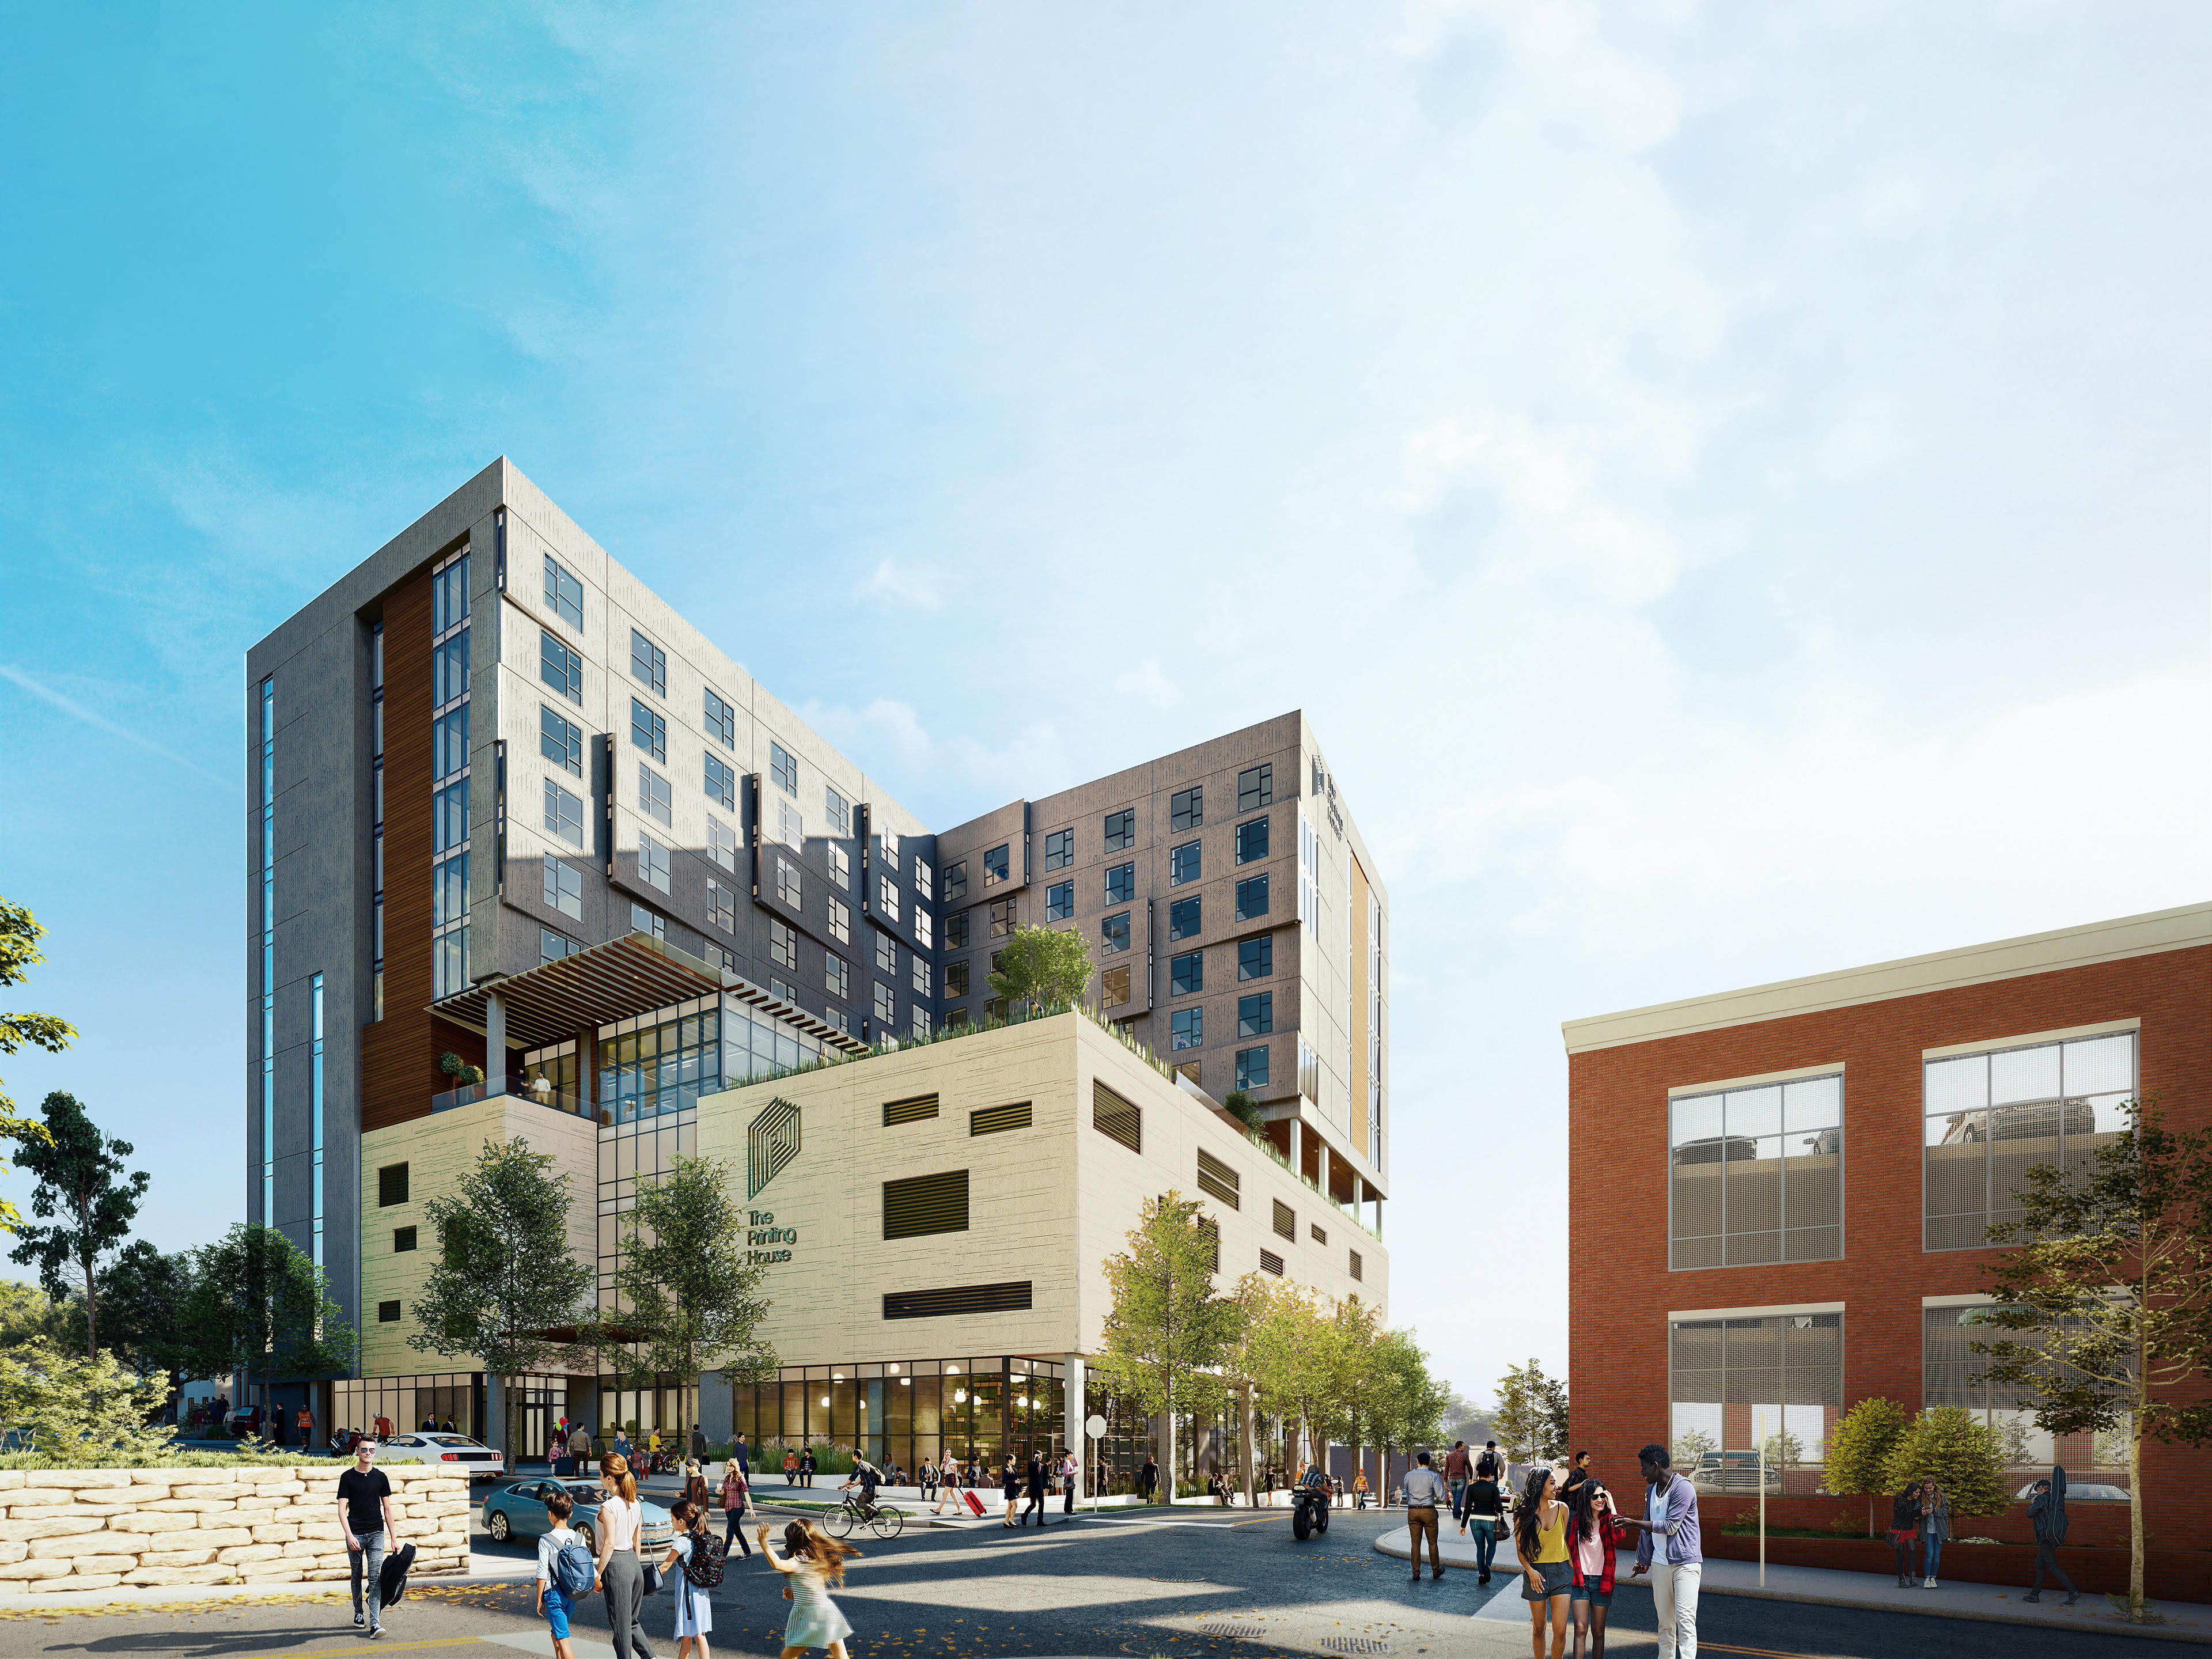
648,663
837,975
391,1185
653,865
552,946
956,978
648,731
1113,935
1060,900
840,810
1121,884
564,889
721,721
1187,808
1256,1014
1251,897
1060,849
1255,786
783,769
1255,957
1251,840
1121,829
886,954
956,882
564,814
403,1238
560,667
1182,918
1114,988
783,945
955,931
1183,864
722,906
995,866
1187,974
653,797
886,1009
564,594
388,1313
1252,1068
1187,1029
919,975
721,782
1002,918
561,741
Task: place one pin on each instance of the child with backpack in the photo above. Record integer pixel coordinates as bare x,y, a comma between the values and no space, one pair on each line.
699,1555
565,1573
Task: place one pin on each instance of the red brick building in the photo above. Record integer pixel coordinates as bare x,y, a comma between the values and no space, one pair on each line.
1794,1180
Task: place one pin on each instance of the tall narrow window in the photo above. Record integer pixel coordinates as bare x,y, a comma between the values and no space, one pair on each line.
783,769
1120,829
315,1086
721,721
1187,808
564,594
839,808
1060,849
449,804
376,817
995,866
561,741
648,663
1255,786
269,953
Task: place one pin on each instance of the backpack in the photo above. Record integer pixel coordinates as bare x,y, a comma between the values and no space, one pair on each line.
702,1562
1486,1467
572,1569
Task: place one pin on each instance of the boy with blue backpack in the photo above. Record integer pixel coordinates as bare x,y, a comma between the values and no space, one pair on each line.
566,1571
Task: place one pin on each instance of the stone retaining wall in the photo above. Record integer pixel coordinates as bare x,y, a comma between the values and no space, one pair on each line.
83,1529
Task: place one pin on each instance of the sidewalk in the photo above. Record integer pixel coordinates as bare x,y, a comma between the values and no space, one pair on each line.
483,1570
2185,1621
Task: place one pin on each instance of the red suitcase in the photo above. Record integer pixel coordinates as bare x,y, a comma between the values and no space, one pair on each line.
974,1504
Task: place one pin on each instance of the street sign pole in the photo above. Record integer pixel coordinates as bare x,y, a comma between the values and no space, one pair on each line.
1094,1426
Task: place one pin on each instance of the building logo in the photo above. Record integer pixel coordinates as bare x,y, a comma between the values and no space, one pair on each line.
771,1142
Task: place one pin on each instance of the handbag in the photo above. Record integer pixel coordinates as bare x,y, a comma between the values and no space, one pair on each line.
652,1578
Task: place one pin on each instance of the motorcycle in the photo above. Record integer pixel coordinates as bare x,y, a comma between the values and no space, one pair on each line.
1310,1508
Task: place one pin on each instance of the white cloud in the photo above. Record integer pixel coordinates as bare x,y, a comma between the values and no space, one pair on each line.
893,584
1145,681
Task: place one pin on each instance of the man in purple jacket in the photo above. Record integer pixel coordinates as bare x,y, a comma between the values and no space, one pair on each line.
1670,1512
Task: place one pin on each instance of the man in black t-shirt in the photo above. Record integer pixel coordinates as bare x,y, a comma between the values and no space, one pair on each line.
365,1512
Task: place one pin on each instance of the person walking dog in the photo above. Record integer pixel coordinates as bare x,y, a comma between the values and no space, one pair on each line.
1670,1512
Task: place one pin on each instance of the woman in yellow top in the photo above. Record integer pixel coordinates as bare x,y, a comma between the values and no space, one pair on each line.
1540,1533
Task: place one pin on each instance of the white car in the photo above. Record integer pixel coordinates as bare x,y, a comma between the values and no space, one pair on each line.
479,1460
2082,1491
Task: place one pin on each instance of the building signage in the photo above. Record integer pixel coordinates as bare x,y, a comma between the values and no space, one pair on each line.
762,1231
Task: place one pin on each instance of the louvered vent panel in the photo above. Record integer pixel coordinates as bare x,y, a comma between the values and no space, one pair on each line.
1319,1234
392,1185
996,1119
1286,1221
1113,1116
958,1299
1211,1229
1357,1264
909,1111
1271,1263
921,1205
1218,1178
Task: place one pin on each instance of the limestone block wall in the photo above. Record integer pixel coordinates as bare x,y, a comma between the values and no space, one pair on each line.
85,1530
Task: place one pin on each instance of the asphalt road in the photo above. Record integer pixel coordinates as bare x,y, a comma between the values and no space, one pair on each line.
1207,1583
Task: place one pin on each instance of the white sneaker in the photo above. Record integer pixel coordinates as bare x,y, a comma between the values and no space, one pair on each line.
1930,1584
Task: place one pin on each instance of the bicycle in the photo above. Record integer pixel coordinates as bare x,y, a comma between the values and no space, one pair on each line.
856,1510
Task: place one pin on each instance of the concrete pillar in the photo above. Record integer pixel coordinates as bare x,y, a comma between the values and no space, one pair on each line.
495,1044
1070,1372
1298,1151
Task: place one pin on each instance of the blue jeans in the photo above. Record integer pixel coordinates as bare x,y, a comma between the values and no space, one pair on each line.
1485,1540
370,1555
1932,1544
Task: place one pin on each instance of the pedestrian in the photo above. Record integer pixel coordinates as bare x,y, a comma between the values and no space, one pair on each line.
1425,1490
622,1446
450,1429
1456,1468
622,1573
1493,1461
949,1490
1594,1533
1486,1513
365,1512
1577,1476
1934,1528
737,1494
2046,1513
1904,1529
698,1454
694,1617
695,1485
1670,1510
1070,1470
806,1466
1540,1533
306,1424
815,1564
557,1590
1010,1481
580,1451
1359,1488
1148,1478
742,1453
790,1467
429,1422
928,1475
1036,1484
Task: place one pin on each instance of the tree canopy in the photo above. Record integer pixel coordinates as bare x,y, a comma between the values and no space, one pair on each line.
1957,1450
20,933
1168,1332
76,1172
690,1295
1532,1415
1859,1449
259,1307
1041,966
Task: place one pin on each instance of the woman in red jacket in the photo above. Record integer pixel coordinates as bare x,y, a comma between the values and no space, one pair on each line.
1593,1534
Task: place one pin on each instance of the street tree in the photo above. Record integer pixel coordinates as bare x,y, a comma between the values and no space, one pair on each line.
20,933
261,1308
504,1281
76,1171
1532,1415
2103,1300
1957,1450
1408,1405
1041,966
1859,1449
144,1300
1168,1332
1294,1359
690,1294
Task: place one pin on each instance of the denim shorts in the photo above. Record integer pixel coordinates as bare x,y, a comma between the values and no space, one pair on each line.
1591,1594
1559,1579
556,1611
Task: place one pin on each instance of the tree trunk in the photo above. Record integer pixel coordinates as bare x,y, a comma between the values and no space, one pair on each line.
1251,1492
2136,1610
494,1423
91,1311
1168,1435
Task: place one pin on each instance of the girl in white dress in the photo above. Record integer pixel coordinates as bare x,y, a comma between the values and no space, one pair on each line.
816,1562
695,1616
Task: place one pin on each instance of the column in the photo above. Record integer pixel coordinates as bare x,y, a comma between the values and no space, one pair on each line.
1298,1152
1072,1391
495,1044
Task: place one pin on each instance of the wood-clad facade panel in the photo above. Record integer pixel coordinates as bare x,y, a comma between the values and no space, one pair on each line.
398,1053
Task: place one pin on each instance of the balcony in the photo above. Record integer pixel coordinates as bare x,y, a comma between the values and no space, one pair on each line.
538,1090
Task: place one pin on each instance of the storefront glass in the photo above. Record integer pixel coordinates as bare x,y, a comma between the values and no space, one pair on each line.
901,1413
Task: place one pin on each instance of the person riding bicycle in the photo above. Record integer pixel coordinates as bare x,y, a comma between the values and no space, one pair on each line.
868,1477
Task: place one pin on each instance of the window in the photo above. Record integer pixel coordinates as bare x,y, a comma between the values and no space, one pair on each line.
1114,988
721,843
653,797
652,863
840,922
1256,1014
1219,1179
955,931
560,667
648,731
1255,957
552,946
1060,849
840,1018
1187,974
1116,1118
722,906
449,817
997,1119
1120,829
1251,841
1186,1030
1271,1263
1727,1372
1251,898
924,877
560,741
1121,884
449,670
839,808
1060,900
1992,1116
1286,1221
642,920
1002,919
403,1238
919,1024
887,896
1318,1233
956,978
721,783
1187,808
788,888
994,866
783,769
886,1009
776,988
1756,1175
564,594
648,663
840,867
1182,919
782,944
1183,864
1113,935
388,1313
956,882
886,954
1952,1373
1255,786
923,932
564,814
721,721
1252,1068
449,743
391,1185
564,889
1309,1071
837,975
919,978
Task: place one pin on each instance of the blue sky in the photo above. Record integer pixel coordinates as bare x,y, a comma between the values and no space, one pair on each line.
1729,482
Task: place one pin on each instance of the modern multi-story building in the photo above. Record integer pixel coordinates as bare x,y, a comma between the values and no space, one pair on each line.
510,811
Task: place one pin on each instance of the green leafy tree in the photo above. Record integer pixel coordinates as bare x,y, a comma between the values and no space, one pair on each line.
1239,1105
1355,1328
1860,1448
1532,1415
1689,1447
1958,1451
1042,966
2103,1302
76,1172
144,1299
504,1275
1168,1333
1293,1358
690,1296
260,1308
20,933
28,1314
88,1413
1407,1406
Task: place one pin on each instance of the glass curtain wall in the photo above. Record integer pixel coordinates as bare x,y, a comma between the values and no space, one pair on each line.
901,1413
1733,1378
1757,1174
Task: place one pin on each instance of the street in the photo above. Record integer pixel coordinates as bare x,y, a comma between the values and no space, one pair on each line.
1206,1582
